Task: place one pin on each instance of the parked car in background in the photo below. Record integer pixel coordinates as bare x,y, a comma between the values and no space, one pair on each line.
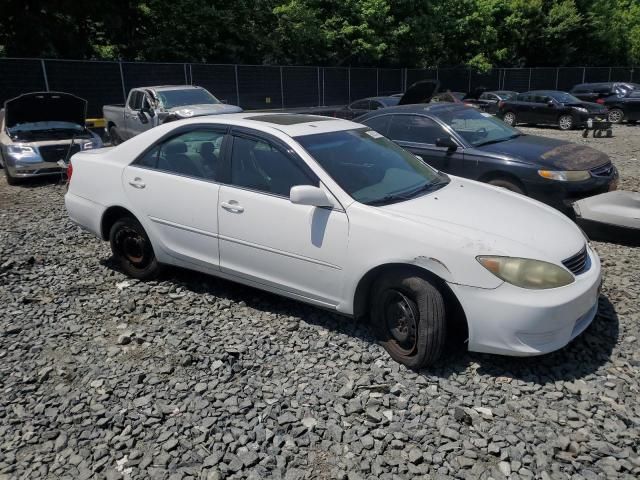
330,212
448,97
621,99
40,130
549,107
463,141
148,107
488,101
354,109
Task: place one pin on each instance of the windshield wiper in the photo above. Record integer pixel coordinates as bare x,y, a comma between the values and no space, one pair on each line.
498,140
427,187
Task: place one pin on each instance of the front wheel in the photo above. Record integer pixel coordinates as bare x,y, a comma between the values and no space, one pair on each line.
565,122
408,314
506,184
510,119
132,249
115,138
615,115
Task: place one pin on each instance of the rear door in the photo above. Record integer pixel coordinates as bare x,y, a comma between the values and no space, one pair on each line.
131,110
174,190
524,107
266,239
418,134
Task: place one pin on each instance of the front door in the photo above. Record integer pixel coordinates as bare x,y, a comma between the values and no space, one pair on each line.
174,191
267,239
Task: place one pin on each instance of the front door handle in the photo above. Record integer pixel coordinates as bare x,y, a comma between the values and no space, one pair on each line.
232,206
137,183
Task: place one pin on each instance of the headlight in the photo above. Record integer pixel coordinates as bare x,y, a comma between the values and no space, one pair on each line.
581,109
566,176
527,273
87,145
20,150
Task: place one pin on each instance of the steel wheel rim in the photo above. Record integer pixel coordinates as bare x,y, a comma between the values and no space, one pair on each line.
615,116
133,247
509,118
566,123
401,321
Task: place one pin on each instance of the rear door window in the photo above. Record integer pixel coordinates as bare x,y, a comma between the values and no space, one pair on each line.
135,100
380,124
360,105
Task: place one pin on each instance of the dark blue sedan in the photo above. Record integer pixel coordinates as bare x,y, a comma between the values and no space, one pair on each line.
463,141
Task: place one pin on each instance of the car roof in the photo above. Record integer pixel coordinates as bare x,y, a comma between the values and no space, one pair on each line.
291,124
380,98
425,108
170,87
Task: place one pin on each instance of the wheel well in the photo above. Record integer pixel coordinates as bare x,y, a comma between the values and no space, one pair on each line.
110,124
487,177
455,313
111,216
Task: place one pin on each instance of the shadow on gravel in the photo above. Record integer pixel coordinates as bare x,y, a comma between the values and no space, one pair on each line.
38,182
584,356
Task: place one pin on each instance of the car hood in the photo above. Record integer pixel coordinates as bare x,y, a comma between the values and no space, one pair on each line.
204,109
590,106
420,92
495,221
548,152
45,107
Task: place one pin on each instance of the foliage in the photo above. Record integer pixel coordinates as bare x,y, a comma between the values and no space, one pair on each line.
477,33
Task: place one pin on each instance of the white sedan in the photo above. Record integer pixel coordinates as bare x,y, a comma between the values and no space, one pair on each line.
331,213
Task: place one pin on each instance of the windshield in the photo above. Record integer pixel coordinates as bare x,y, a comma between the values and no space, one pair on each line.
477,128
563,97
180,98
42,126
371,168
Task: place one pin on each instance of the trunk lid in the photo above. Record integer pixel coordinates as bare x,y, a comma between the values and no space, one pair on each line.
420,92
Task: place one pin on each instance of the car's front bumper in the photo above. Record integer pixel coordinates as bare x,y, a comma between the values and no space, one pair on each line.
509,320
34,169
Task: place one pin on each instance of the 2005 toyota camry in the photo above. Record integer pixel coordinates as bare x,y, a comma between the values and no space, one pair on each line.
332,213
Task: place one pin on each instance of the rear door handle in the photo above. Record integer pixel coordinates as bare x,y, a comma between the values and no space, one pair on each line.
232,206
137,183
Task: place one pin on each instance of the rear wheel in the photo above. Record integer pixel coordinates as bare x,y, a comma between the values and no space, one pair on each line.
565,122
132,249
113,134
408,314
615,115
509,118
506,184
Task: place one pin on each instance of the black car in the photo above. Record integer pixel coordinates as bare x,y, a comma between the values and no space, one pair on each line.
549,107
463,141
354,109
622,99
488,101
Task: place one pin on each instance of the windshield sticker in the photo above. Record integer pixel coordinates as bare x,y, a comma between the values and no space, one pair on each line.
485,114
374,134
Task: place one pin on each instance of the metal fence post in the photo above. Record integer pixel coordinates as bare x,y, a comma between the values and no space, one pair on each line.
584,73
44,74
318,72
186,80
190,75
323,97
124,90
377,82
349,82
557,75
235,67
469,89
529,87
609,79
281,90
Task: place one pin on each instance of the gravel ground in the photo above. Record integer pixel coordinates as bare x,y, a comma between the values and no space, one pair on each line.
194,377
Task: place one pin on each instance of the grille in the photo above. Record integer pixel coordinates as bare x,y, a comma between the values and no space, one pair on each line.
577,264
603,171
53,153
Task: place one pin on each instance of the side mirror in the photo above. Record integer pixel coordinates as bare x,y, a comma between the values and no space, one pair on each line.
446,142
142,117
550,103
309,195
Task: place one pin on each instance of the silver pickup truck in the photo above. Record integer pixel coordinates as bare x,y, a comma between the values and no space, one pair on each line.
148,107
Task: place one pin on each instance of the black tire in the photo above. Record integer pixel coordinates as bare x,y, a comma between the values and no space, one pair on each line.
510,119
615,115
113,135
409,316
506,184
565,122
132,249
609,133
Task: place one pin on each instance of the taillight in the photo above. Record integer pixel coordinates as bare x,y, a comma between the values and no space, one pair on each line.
500,104
69,171
600,101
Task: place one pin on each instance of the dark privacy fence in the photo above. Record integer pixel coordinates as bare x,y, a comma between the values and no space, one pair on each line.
263,87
